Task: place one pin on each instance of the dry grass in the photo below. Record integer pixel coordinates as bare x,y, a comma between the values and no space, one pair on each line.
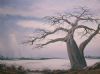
95,69
4,69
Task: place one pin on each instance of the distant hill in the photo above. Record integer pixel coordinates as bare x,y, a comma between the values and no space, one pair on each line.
93,57
29,58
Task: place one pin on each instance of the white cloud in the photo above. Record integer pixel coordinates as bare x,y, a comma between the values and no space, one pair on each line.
35,25
48,7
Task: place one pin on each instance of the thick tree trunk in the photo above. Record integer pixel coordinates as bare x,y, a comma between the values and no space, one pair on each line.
77,59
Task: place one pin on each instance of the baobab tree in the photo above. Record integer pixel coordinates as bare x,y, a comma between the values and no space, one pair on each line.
74,20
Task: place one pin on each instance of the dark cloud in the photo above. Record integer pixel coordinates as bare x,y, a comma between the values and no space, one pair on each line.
18,4
18,17
8,23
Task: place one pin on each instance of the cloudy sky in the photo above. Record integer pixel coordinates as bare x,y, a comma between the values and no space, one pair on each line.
20,18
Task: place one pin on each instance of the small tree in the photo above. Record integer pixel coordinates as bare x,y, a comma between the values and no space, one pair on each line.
76,21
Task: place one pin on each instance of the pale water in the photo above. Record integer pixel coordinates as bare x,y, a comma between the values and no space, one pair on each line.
52,64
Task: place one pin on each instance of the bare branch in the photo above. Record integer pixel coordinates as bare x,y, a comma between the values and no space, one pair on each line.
49,42
45,34
87,30
84,12
57,29
83,44
83,15
57,20
89,19
85,27
30,41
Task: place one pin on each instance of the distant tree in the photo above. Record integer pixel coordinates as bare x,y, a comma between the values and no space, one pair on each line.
73,21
